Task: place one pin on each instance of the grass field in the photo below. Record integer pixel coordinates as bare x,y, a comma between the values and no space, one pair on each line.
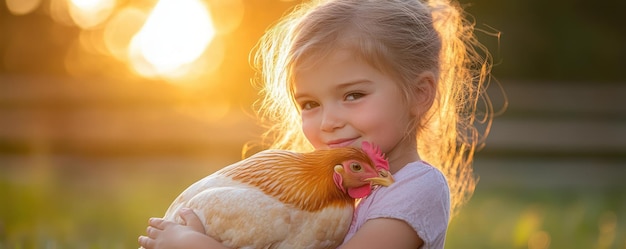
66,204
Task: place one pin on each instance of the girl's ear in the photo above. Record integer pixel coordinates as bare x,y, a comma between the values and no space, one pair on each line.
424,93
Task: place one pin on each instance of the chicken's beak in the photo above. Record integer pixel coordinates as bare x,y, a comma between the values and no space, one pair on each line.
384,178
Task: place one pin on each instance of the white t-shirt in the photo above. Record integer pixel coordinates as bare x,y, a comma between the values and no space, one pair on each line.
419,196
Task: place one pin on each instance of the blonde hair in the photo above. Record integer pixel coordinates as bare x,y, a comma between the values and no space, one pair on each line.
403,38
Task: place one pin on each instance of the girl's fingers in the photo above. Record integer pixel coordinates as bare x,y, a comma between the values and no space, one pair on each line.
191,219
157,222
153,232
146,242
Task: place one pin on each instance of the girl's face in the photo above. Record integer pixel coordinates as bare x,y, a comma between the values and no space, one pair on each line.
345,101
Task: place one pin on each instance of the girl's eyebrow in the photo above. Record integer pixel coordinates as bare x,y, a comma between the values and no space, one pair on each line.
339,86
299,95
353,83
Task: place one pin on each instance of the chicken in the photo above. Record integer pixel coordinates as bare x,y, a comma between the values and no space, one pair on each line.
282,199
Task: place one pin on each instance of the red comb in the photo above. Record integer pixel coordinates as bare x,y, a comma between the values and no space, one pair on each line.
375,155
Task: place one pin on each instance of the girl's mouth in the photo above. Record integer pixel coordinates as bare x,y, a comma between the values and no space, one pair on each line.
341,142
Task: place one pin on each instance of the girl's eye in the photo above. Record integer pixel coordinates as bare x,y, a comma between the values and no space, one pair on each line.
353,96
308,105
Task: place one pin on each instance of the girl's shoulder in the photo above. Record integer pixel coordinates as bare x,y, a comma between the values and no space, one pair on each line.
416,185
420,174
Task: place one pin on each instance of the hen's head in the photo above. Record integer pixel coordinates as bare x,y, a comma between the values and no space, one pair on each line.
357,175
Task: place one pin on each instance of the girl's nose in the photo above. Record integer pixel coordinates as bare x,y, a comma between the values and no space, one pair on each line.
331,120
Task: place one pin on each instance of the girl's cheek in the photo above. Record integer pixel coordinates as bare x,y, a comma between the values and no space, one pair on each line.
311,131
308,129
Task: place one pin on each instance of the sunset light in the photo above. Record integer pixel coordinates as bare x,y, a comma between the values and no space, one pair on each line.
175,34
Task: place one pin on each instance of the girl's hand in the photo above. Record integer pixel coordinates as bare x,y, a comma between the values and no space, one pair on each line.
162,234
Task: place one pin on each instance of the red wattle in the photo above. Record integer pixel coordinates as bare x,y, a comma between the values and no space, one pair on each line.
360,192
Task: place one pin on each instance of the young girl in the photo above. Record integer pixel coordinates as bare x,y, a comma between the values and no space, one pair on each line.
402,74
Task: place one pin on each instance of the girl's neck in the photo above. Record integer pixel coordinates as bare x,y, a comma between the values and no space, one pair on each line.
404,153
396,165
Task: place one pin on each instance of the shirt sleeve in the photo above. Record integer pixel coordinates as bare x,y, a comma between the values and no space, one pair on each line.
422,200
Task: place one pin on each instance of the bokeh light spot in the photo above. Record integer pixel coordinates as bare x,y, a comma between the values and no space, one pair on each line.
59,12
539,240
22,7
92,41
119,31
90,13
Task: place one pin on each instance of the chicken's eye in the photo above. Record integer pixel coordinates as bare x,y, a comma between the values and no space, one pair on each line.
356,167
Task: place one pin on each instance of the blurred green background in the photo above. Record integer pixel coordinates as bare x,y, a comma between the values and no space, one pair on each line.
91,146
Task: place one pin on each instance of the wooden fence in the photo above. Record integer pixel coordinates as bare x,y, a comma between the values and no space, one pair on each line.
551,134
